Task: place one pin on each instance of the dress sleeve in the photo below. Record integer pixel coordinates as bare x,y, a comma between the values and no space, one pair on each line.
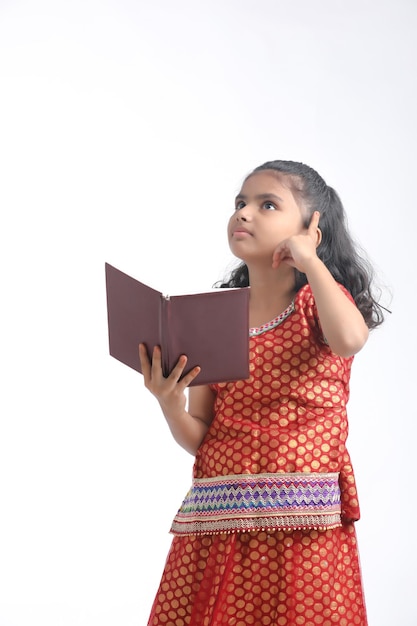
306,303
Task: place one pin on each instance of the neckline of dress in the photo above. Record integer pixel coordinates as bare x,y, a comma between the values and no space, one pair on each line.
258,330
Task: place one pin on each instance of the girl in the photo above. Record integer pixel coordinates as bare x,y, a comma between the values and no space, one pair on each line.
266,534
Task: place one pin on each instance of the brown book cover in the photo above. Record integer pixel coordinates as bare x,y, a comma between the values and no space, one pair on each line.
211,328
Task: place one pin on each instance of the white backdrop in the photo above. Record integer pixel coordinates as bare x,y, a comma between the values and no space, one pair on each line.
126,128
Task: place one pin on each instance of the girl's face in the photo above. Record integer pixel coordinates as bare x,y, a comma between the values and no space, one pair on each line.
266,214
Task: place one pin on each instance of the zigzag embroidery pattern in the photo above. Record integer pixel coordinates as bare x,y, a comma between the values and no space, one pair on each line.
232,503
258,494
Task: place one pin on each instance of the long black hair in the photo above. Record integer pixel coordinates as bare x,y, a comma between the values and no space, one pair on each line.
337,249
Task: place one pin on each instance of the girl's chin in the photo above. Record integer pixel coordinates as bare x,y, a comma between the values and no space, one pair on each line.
255,259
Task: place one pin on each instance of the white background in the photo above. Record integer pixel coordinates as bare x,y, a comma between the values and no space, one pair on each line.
126,128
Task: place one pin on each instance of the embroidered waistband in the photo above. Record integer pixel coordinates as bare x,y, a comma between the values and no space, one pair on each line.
248,502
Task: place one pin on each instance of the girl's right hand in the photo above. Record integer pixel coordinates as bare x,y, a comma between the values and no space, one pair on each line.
170,390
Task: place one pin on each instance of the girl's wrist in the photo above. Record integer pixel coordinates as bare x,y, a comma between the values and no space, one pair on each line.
313,266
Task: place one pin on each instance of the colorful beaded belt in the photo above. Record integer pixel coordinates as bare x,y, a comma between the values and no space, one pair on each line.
246,502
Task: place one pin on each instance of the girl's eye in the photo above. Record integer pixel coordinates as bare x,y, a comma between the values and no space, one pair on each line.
239,205
269,206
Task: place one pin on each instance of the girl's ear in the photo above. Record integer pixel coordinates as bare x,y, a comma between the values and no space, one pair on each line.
319,237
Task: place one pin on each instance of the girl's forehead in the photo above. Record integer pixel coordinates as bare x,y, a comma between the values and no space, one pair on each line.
275,183
265,180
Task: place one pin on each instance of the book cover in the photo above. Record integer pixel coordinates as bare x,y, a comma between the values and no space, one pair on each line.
210,328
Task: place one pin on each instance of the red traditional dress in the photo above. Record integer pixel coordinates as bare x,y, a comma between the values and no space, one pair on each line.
265,535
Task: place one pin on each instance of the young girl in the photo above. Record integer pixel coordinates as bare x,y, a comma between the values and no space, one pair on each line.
266,534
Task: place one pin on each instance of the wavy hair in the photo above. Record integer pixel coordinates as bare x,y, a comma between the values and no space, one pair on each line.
337,249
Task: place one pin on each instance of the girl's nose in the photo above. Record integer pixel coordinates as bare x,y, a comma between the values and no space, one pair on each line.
243,214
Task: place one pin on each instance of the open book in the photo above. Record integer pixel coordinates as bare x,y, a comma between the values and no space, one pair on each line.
211,329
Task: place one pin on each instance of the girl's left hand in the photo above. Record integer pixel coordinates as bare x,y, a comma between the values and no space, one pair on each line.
299,250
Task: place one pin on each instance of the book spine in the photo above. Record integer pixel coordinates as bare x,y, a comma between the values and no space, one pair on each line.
164,333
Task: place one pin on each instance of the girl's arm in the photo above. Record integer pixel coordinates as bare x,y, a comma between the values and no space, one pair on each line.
342,323
187,427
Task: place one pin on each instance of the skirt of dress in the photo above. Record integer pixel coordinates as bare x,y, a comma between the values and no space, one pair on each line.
294,578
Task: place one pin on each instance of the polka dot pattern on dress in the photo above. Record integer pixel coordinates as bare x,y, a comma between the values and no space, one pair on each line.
289,416
280,579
